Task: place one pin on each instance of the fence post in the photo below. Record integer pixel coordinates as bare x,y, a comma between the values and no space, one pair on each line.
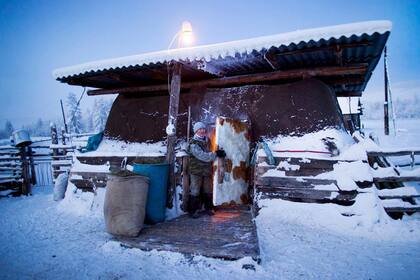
54,136
32,164
412,160
25,189
54,141
63,136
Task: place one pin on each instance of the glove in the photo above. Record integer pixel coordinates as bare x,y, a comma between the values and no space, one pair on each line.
220,153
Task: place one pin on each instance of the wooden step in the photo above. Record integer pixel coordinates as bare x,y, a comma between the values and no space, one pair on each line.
314,163
298,166
307,195
302,171
396,179
292,182
397,209
399,206
403,192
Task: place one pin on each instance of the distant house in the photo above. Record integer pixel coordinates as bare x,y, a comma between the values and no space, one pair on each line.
280,85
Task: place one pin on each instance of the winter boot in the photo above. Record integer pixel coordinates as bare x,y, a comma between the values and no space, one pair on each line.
194,204
208,204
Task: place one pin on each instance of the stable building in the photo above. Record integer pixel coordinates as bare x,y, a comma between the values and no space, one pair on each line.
253,89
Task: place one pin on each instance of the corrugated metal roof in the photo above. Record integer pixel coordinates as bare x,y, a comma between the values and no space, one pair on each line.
231,49
361,42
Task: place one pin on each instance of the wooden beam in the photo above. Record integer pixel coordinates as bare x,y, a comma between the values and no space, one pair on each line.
351,80
174,92
349,94
260,78
396,179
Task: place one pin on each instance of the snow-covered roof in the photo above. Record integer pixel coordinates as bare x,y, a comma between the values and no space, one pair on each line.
229,49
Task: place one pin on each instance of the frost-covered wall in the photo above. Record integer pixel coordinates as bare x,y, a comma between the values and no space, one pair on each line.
296,108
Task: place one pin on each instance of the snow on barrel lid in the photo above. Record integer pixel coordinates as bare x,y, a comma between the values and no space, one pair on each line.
229,49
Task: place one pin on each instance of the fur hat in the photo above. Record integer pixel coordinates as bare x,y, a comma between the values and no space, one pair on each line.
198,125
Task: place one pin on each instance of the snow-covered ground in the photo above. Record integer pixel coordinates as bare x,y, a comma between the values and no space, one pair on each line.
41,241
407,133
44,239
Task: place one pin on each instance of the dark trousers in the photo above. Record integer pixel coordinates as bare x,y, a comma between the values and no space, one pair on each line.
200,185
198,182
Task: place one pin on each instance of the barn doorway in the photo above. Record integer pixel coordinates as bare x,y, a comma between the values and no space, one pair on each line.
231,174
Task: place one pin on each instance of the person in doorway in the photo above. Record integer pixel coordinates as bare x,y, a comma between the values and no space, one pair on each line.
201,159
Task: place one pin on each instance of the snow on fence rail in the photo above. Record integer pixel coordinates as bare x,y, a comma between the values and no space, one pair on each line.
18,166
37,164
396,196
397,153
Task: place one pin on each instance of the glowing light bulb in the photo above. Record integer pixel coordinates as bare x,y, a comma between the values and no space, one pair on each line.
187,37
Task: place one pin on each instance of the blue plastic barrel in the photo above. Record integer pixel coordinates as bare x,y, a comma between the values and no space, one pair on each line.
156,196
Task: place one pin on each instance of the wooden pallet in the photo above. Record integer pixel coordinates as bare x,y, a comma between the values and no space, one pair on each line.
230,234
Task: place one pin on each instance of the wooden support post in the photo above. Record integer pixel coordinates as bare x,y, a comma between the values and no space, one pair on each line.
175,88
185,184
64,116
185,170
386,115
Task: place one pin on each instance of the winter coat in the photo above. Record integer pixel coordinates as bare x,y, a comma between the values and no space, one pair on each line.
201,158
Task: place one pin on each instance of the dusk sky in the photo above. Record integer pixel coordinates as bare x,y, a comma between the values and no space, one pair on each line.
37,37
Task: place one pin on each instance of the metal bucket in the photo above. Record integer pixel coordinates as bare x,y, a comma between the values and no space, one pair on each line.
21,138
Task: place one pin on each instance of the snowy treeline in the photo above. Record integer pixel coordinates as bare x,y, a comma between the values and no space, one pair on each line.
404,108
92,119
37,128
7,130
74,114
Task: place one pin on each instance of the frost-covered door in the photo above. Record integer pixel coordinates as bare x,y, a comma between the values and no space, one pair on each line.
230,177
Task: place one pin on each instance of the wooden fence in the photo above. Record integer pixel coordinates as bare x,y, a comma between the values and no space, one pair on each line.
39,163
19,166
409,153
